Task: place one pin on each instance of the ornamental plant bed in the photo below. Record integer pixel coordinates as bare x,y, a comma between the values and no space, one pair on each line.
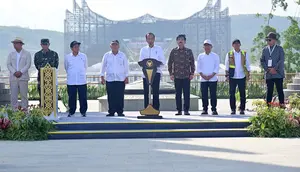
274,121
24,124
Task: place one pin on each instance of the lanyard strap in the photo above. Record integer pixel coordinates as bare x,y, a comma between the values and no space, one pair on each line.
271,51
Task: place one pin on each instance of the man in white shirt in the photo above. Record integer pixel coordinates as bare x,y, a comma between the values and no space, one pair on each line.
208,67
237,71
154,52
18,64
114,73
76,65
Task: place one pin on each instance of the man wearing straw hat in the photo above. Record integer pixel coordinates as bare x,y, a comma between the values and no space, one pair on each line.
18,64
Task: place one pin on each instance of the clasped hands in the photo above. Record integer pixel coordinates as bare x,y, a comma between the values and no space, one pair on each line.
207,77
172,77
126,81
18,74
272,71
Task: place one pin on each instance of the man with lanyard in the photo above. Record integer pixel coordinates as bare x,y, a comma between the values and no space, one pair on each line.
155,52
272,61
114,73
237,71
42,58
181,66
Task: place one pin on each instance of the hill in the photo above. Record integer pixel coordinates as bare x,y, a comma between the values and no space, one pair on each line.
244,27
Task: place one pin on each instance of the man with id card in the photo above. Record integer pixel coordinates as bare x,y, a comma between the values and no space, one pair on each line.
272,61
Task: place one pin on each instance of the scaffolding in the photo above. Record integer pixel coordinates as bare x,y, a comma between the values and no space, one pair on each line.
95,31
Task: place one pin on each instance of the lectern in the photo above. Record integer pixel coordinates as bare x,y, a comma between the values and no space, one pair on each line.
149,69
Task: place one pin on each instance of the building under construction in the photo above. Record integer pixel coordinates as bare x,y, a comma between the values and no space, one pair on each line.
95,31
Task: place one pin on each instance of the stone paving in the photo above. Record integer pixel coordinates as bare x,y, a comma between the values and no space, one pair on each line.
150,155
93,105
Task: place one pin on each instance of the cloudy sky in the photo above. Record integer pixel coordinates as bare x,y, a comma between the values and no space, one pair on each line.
49,14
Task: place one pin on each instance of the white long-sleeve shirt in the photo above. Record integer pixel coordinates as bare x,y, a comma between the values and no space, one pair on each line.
207,65
156,52
114,67
239,70
76,67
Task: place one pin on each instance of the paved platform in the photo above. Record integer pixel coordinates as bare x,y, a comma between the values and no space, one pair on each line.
152,155
168,116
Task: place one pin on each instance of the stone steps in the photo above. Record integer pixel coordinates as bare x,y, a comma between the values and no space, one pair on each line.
296,80
293,86
288,93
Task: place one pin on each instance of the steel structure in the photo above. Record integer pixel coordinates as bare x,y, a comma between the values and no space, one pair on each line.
95,31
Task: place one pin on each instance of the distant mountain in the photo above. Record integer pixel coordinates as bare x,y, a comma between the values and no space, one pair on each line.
244,27
31,38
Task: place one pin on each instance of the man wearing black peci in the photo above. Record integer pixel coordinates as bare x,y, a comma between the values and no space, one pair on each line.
154,52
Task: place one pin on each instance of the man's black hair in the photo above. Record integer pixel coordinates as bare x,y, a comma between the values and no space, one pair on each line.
181,36
150,33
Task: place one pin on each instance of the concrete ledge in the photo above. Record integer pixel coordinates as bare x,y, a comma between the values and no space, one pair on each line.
136,103
288,92
296,80
293,86
2,86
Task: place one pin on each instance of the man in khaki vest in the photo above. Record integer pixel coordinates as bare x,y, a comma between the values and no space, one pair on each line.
18,64
237,72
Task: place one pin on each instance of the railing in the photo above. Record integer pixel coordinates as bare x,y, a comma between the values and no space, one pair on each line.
256,86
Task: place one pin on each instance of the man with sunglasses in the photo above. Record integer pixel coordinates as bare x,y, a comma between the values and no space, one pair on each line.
44,57
272,61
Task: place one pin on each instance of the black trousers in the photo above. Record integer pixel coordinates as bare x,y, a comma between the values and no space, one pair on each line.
82,92
212,86
182,85
155,91
241,84
115,96
270,88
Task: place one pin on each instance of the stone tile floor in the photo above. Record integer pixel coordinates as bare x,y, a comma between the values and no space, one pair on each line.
152,155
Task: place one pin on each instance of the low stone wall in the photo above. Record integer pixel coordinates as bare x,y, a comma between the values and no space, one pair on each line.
4,95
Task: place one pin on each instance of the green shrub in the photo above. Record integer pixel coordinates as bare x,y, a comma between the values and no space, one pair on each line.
273,121
25,125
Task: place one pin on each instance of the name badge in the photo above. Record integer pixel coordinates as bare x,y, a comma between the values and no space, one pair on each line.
270,63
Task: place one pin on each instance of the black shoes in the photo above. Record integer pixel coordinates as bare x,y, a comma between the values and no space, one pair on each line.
178,113
121,114
82,114
186,113
110,114
233,112
215,113
204,112
242,112
70,115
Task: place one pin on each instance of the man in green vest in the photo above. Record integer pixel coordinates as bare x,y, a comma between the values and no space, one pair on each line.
237,72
